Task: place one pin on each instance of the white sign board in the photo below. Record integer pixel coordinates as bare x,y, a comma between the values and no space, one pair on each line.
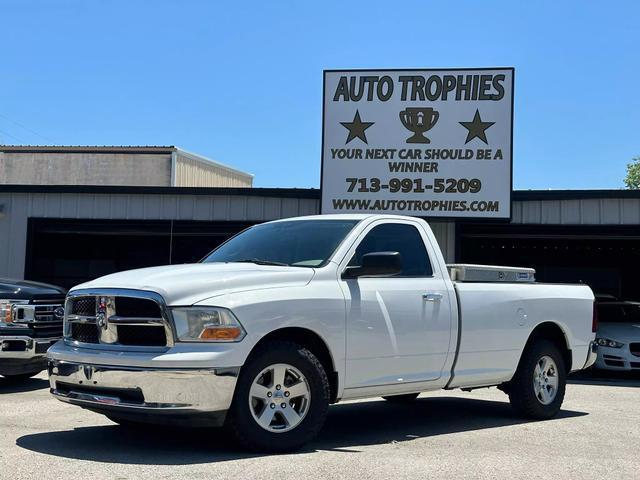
427,143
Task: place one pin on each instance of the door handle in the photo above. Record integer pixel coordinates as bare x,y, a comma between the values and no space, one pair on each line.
432,297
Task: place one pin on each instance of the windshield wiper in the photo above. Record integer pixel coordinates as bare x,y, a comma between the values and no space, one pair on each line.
258,261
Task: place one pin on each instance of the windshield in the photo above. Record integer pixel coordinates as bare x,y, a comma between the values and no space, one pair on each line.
618,313
299,243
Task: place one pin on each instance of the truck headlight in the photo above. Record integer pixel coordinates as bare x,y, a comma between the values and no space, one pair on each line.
6,309
606,342
207,324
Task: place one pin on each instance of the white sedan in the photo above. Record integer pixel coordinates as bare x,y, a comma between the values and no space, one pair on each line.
618,336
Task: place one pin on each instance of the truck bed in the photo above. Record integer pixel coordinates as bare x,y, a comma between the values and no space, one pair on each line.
496,319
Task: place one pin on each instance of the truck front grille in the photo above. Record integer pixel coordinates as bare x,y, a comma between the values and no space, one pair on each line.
85,332
47,330
85,306
42,316
116,319
139,335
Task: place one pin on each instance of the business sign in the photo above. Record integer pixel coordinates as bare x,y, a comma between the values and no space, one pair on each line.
428,143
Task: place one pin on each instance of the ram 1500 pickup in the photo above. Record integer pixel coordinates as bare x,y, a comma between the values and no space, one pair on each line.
290,316
30,322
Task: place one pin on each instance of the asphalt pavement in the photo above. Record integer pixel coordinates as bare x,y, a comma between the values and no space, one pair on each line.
441,435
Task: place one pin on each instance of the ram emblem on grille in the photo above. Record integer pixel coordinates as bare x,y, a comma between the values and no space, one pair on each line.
101,315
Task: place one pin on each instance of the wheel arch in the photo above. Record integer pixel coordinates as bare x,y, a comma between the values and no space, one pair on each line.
553,332
313,342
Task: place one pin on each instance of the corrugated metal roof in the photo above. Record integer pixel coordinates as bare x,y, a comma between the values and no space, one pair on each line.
205,160
518,195
525,195
296,193
148,149
87,148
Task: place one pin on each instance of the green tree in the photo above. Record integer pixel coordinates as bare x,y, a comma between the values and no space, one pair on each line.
632,180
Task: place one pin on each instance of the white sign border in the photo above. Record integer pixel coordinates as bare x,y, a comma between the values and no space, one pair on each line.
505,219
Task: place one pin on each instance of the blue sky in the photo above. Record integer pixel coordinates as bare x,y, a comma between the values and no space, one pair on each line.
241,82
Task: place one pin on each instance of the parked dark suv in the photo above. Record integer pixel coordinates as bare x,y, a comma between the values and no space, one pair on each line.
31,317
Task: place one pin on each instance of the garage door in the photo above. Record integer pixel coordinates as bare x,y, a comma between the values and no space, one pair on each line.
67,252
607,258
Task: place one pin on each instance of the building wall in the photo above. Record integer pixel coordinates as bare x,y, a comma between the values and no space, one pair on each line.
585,211
445,233
194,173
19,207
72,168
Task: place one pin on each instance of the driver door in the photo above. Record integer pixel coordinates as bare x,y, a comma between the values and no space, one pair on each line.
398,328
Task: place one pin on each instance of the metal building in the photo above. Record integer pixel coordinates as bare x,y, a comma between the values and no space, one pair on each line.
68,234
589,236
135,166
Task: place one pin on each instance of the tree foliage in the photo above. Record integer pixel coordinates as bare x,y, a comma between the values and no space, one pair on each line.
632,180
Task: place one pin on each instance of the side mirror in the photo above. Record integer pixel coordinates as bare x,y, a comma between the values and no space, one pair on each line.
376,264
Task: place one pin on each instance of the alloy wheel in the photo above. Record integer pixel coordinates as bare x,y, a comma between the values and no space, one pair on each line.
279,398
545,380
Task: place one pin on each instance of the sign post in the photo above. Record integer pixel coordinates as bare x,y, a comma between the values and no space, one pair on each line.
428,143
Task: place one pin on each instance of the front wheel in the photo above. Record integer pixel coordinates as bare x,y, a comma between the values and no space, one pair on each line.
537,389
281,399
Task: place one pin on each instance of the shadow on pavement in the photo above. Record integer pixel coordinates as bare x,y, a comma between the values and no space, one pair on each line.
18,386
348,426
606,378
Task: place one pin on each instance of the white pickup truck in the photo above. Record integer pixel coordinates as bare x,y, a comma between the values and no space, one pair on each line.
290,316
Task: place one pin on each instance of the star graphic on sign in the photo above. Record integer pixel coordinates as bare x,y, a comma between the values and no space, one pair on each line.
356,128
477,128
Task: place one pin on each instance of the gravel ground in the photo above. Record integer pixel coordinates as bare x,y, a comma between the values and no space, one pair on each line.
441,435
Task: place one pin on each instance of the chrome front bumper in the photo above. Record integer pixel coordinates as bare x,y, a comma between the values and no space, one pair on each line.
190,396
21,354
23,347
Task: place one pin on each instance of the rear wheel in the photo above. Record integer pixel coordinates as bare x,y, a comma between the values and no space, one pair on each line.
537,389
406,398
281,398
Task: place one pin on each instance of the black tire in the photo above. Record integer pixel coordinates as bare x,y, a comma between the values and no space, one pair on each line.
405,398
522,393
240,421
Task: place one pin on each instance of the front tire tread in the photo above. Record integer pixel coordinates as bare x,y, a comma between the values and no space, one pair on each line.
240,423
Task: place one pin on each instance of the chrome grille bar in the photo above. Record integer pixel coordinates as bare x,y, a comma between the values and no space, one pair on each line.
36,313
106,319
135,320
80,319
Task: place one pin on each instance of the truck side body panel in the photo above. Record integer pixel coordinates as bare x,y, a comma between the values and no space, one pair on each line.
498,318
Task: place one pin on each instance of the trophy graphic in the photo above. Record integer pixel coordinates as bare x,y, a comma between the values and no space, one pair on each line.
418,120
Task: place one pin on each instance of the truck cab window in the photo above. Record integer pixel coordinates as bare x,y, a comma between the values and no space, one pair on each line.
397,237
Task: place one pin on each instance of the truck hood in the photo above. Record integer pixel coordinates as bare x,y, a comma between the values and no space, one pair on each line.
191,283
27,290
621,332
